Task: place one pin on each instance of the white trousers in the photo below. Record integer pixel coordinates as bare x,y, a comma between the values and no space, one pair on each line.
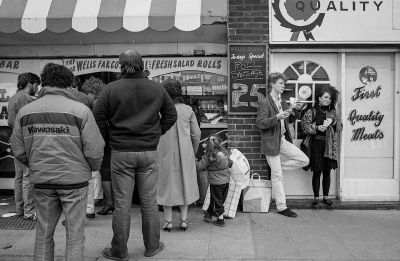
290,157
95,191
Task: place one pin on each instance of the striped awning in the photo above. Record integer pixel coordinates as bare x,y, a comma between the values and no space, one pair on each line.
84,16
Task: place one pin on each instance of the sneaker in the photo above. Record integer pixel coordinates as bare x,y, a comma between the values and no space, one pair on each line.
219,222
30,216
288,213
154,252
328,202
207,218
315,204
108,254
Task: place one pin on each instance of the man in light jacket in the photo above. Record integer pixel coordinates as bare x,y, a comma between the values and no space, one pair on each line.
276,140
58,138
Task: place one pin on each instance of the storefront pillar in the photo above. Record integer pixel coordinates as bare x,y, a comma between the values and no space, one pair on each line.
248,23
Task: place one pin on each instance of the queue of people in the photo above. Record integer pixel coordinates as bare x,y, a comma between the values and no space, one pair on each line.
133,131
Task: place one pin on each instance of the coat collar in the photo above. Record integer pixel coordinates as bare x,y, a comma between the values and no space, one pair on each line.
57,91
271,101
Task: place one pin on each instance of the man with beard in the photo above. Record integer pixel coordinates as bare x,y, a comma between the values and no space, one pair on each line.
27,87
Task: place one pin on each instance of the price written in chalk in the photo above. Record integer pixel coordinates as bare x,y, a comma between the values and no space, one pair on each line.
247,77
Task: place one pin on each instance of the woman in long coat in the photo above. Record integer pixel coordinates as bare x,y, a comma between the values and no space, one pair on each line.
177,183
322,123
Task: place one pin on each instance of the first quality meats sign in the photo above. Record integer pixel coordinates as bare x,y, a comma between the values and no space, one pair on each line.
334,21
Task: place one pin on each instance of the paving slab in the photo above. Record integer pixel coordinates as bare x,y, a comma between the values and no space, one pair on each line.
313,235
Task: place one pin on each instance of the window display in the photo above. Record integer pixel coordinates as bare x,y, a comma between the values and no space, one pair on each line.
206,93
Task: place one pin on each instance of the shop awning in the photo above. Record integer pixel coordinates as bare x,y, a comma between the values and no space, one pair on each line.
83,16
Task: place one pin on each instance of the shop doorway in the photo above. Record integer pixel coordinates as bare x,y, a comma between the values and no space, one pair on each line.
306,73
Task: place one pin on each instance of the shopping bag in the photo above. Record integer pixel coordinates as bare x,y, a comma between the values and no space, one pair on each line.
240,170
257,196
231,201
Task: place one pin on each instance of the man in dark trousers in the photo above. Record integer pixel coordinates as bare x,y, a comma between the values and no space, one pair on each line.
27,87
58,138
276,140
138,112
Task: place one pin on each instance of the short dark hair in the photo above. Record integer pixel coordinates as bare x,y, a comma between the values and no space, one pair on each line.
174,89
25,78
56,75
274,77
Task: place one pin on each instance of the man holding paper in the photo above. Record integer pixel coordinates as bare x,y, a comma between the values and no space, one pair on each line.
276,140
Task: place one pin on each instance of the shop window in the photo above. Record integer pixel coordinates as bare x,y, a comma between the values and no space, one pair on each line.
206,93
304,78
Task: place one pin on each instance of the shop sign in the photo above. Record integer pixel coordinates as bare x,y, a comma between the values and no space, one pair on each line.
334,21
17,66
247,77
156,66
92,65
369,99
163,65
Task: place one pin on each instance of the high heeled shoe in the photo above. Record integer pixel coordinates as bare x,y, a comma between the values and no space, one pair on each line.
167,226
184,225
105,210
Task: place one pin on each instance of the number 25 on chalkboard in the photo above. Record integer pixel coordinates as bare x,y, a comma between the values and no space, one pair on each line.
242,89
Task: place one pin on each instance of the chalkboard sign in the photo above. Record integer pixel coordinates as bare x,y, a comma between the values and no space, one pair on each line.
247,77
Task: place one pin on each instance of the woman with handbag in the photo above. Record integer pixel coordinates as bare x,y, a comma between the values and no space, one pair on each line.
322,124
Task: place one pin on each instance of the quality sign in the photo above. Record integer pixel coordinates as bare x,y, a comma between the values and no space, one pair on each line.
334,21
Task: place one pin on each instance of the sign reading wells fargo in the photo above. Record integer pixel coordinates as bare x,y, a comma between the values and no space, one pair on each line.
247,77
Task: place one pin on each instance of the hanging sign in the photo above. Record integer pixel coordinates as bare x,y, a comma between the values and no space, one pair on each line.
18,66
247,77
156,66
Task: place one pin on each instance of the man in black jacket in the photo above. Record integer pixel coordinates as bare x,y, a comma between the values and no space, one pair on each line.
138,112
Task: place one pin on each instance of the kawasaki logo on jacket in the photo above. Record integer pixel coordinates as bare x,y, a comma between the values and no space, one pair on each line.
48,130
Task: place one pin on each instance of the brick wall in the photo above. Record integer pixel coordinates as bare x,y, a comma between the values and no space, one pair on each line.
247,23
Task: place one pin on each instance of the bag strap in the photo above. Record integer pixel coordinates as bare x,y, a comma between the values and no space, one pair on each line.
313,112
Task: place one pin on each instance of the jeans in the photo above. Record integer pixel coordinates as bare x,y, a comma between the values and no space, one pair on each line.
23,189
126,167
49,205
292,158
217,198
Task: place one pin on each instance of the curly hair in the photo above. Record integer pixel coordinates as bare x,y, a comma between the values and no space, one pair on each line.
25,78
93,85
332,92
174,89
55,75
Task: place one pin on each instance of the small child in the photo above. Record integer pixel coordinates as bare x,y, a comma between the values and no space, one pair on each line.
216,161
